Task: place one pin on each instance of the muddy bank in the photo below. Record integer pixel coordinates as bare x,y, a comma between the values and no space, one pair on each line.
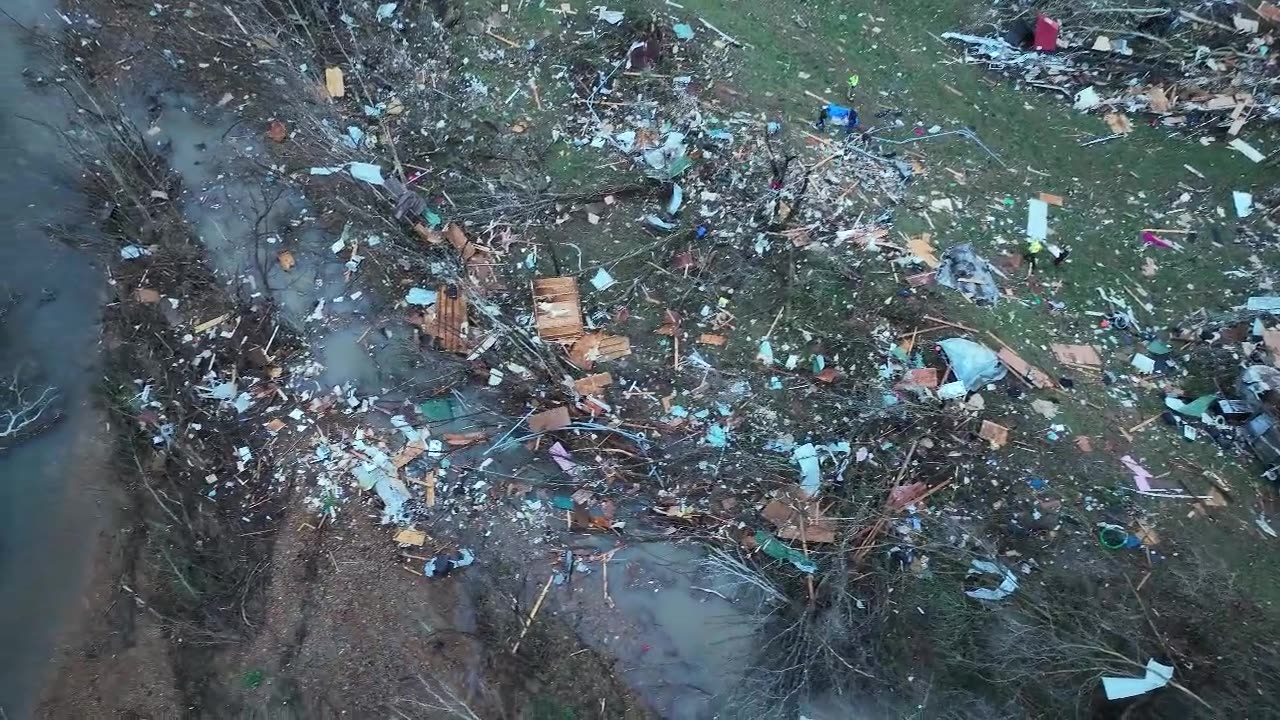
52,499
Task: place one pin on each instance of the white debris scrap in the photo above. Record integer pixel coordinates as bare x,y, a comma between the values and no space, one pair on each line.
1119,688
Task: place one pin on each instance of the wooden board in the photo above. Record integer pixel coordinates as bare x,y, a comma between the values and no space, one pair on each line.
1024,370
598,347
994,433
334,82
1077,354
557,309
450,328
593,384
548,420
920,377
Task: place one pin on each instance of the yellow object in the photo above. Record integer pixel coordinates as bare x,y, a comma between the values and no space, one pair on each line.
1034,247
853,81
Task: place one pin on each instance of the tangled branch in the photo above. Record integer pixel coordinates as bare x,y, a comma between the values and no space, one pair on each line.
24,413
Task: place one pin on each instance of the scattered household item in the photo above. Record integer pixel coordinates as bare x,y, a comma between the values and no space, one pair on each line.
974,364
962,269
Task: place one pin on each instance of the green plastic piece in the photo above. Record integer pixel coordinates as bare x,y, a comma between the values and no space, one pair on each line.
778,550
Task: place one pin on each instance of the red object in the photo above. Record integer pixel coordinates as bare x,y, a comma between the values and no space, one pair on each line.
1046,35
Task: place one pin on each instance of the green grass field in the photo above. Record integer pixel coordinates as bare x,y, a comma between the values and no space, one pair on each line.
795,51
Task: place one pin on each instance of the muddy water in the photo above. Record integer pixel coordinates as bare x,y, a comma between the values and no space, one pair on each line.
49,490
242,214
683,636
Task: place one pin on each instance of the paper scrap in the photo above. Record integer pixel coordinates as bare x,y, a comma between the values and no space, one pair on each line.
806,456
1157,676
1087,99
602,279
409,536
1244,24
563,458
1008,581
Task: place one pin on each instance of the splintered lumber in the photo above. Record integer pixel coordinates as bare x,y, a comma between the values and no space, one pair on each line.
593,384
994,433
1024,370
598,347
558,309
450,328
478,260
1077,354
334,83
548,420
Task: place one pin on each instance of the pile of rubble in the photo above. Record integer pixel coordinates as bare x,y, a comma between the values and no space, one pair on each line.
1198,67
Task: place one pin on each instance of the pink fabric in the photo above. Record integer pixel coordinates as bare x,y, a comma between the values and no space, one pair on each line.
1141,477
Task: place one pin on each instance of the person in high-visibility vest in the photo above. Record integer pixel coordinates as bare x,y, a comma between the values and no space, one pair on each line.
853,83
1031,254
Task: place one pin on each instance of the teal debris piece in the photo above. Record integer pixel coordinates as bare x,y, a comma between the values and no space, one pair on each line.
435,220
436,409
683,31
1158,347
1195,408
678,166
717,436
778,550
562,502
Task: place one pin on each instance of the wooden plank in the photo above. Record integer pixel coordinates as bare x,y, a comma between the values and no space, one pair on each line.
450,328
334,83
409,536
598,347
1023,369
548,420
1076,354
593,384
994,433
557,309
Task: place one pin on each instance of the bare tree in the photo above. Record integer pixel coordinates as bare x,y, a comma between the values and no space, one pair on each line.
26,410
